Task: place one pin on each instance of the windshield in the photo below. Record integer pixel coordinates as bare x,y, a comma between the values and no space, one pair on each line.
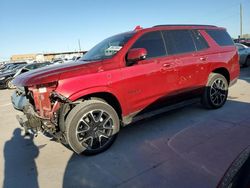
108,47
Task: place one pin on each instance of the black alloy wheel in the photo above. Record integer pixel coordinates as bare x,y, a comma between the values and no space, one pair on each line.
92,127
216,91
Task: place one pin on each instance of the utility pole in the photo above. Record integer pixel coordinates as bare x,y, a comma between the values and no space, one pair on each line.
79,45
241,21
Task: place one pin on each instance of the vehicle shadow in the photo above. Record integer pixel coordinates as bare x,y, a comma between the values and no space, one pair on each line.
19,156
180,140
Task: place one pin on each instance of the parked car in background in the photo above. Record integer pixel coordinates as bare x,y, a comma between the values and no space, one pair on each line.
7,74
32,66
10,66
245,41
125,78
2,65
18,97
65,60
57,61
244,53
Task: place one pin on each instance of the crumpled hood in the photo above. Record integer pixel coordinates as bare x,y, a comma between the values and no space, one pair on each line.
53,73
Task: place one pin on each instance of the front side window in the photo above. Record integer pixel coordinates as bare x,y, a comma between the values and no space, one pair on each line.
107,48
153,43
178,41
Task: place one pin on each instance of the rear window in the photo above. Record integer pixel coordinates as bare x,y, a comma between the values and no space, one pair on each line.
221,37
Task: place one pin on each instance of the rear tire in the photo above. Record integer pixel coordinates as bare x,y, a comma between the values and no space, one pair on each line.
247,63
92,127
216,91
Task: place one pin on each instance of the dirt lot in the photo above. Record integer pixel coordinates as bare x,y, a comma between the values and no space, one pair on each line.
189,147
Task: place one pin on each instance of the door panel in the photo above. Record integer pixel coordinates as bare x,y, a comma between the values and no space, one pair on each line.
146,83
189,70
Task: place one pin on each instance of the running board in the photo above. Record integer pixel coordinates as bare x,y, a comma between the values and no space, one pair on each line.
135,117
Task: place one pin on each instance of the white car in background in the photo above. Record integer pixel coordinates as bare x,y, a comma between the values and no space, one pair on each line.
244,53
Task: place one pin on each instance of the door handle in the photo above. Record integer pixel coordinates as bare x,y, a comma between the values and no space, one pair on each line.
166,65
203,58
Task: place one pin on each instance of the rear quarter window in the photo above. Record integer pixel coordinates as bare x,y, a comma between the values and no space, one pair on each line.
221,37
199,41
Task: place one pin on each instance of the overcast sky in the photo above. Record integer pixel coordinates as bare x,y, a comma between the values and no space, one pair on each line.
37,26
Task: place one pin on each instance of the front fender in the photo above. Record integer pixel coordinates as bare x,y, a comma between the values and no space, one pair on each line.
88,91
94,90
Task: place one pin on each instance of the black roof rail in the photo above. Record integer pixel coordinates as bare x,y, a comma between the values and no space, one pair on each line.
196,25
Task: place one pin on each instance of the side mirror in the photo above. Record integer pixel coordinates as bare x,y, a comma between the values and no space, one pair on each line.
136,54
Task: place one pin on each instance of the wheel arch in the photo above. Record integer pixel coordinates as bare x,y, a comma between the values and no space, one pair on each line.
223,71
104,94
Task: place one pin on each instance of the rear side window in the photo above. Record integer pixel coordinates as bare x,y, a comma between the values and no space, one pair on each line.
178,41
221,37
199,41
153,43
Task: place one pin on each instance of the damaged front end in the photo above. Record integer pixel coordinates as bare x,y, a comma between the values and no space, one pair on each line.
45,112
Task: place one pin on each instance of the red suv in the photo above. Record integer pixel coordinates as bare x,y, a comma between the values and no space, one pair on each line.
128,77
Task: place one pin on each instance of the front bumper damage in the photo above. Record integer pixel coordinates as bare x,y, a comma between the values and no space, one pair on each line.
32,123
46,116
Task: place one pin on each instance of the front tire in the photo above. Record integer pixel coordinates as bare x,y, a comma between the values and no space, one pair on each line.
9,84
92,127
216,91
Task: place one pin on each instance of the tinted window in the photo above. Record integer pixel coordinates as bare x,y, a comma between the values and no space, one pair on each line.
178,41
221,37
199,41
153,43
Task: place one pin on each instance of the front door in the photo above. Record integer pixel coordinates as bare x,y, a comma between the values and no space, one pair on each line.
145,83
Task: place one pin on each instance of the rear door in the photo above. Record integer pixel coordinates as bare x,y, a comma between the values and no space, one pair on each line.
180,44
